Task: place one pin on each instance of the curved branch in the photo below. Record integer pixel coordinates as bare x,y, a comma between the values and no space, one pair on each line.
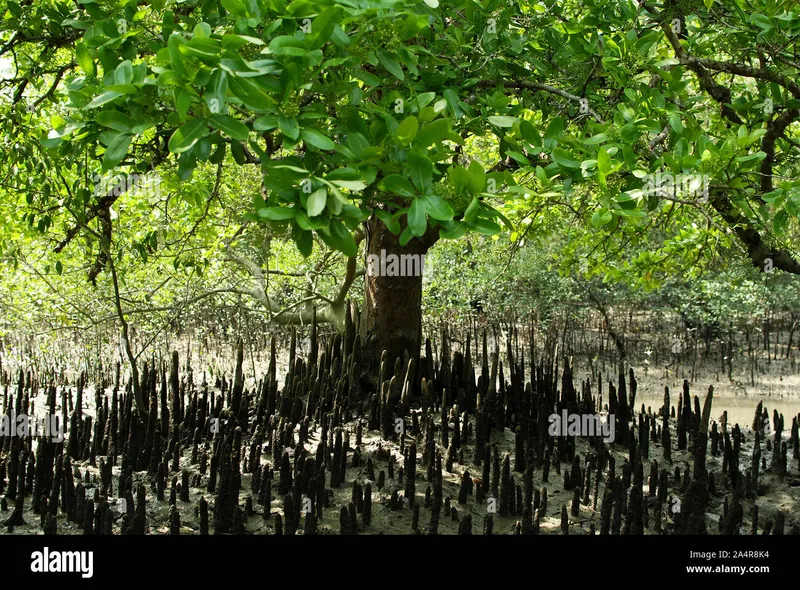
720,94
775,129
525,85
757,249
350,274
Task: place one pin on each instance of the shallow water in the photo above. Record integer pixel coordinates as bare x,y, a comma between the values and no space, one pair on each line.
741,408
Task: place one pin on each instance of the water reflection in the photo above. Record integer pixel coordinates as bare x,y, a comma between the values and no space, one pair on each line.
741,408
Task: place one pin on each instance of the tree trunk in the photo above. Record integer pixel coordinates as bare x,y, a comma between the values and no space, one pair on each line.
392,316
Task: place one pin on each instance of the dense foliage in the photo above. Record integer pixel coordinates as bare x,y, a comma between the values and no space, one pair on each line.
159,147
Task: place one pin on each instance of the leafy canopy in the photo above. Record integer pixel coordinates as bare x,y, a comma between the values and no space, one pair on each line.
353,108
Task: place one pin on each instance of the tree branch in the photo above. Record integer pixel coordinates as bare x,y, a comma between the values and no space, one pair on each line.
775,129
757,249
720,94
525,85
350,274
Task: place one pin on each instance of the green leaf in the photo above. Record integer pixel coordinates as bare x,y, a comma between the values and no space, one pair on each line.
253,95
292,168
460,179
237,151
603,161
416,218
421,170
596,139
304,240
317,139
215,91
391,222
85,60
518,157
201,31
115,120
302,220
317,201
632,213
437,208
530,133
124,73
183,100
406,236
348,178
457,230
675,123
231,127
562,158
186,165
233,41
265,123
176,58
601,217
452,101
424,99
772,196
287,45
103,98
761,21
278,213
484,226
353,185
116,150
388,62
123,88
433,133
751,158
187,135
219,154
289,127
472,210
340,239
407,130
235,7
323,25
781,222
336,201
554,129
477,177
398,185
502,120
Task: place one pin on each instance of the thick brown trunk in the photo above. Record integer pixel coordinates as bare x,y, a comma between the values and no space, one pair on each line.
392,316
